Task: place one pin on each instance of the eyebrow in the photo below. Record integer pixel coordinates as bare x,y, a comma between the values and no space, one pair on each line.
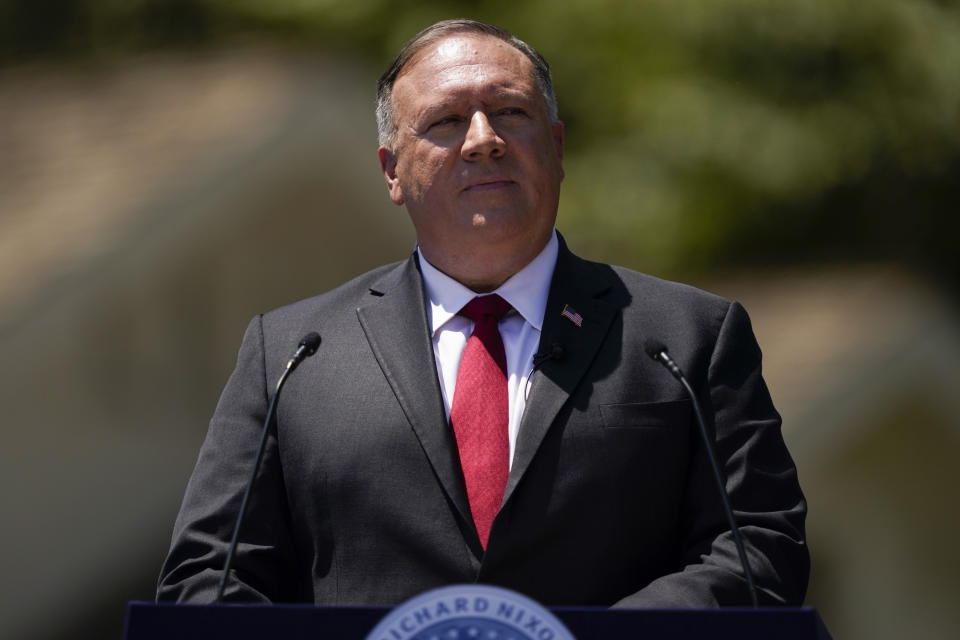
501,93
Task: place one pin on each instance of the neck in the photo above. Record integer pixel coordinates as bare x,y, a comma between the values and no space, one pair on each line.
481,274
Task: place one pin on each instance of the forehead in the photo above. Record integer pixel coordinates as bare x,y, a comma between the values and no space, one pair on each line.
465,63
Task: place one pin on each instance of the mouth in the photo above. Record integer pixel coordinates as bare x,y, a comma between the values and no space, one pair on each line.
489,184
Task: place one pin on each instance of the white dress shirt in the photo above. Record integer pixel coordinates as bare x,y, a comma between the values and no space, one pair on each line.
526,291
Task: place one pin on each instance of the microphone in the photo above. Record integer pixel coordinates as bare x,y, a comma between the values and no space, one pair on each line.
307,347
658,351
554,352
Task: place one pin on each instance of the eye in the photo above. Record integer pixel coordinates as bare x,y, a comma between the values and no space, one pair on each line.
445,121
512,111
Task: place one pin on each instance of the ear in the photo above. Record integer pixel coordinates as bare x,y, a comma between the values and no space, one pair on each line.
388,163
558,136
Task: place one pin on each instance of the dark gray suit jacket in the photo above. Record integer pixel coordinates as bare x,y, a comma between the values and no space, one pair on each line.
610,498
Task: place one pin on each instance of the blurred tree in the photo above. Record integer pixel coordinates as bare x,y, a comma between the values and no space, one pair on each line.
701,135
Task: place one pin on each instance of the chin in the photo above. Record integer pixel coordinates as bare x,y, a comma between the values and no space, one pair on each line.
500,221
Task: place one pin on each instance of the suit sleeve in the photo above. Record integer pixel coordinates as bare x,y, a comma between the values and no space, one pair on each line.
264,561
761,480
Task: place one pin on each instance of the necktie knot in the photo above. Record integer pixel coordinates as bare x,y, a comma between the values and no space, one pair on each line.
481,306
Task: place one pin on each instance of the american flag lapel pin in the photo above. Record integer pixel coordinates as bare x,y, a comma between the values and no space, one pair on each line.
570,314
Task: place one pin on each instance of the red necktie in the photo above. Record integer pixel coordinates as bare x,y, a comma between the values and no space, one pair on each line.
480,412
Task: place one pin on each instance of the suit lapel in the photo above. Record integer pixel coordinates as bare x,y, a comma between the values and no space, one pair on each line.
395,323
578,286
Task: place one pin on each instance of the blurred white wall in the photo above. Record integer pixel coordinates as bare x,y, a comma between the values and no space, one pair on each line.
159,203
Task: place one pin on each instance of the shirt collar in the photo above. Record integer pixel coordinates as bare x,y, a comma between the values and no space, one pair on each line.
526,290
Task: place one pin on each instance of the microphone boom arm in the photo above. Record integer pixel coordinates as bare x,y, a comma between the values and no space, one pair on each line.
307,347
659,353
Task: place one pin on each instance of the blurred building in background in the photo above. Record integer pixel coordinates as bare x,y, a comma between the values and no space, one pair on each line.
167,170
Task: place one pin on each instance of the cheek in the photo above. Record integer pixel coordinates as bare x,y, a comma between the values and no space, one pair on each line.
421,175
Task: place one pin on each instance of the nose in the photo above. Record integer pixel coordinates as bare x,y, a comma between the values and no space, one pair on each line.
482,139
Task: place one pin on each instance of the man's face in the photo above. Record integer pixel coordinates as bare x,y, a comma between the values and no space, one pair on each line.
477,160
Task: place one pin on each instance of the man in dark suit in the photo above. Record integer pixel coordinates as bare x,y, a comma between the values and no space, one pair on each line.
586,485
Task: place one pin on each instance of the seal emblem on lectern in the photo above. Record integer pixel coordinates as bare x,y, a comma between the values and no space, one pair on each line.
470,612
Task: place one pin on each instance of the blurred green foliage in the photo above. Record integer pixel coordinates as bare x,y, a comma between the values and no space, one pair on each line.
701,134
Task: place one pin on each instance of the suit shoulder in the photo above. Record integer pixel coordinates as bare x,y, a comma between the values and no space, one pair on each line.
646,301
340,301
688,319
657,293
659,286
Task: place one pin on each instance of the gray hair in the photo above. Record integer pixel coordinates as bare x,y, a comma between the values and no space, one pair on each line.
387,126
